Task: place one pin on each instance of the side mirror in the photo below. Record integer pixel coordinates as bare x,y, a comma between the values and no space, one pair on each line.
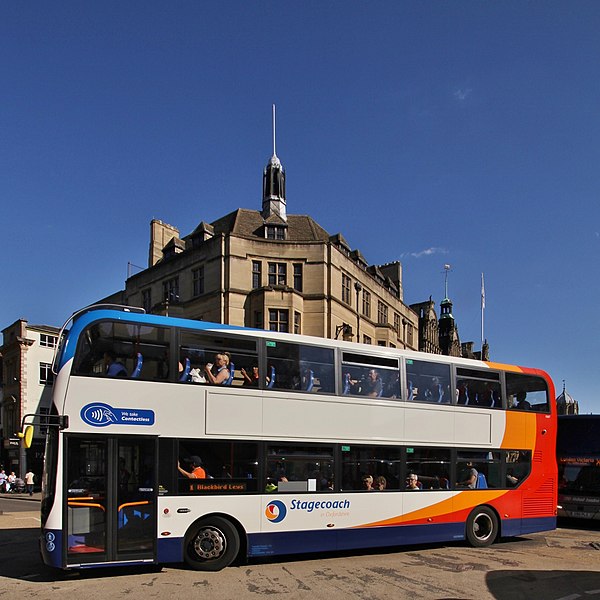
26,435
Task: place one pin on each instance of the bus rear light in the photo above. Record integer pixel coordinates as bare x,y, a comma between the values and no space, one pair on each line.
166,511
165,533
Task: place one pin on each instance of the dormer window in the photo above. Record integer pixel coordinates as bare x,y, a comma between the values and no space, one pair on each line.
275,232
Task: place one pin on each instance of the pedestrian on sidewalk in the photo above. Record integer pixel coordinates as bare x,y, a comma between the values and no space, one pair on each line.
29,477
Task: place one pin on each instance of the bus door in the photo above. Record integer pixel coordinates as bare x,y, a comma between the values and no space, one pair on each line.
110,499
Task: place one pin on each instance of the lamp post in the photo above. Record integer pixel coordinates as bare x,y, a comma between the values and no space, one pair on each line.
345,330
358,288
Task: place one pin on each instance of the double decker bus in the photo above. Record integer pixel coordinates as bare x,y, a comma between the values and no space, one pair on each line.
578,455
326,446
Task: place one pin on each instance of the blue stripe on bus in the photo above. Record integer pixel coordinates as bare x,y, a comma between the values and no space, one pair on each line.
169,550
294,542
535,525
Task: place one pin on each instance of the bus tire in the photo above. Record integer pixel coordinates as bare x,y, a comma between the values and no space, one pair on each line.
211,544
482,527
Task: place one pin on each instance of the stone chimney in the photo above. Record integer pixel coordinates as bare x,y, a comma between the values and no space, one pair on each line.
160,235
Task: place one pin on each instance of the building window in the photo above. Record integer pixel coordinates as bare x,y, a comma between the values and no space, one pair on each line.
198,280
278,320
275,233
46,376
297,322
298,277
410,335
366,339
277,274
256,274
397,324
346,284
366,308
258,319
171,290
147,300
382,313
48,341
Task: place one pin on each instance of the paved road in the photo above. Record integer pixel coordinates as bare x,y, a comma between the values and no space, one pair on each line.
560,565
14,503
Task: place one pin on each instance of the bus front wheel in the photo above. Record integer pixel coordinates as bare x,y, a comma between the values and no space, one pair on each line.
211,544
482,527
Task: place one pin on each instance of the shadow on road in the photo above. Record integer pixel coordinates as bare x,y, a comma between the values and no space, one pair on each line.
20,559
550,585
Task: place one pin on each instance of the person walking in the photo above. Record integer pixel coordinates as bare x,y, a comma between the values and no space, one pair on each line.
29,477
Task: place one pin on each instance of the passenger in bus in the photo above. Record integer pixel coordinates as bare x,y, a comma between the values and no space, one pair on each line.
412,483
123,474
468,476
218,373
250,379
462,392
486,396
112,367
522,402
368,483
380,483
197,471
373,386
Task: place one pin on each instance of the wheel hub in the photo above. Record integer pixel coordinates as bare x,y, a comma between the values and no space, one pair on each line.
210,543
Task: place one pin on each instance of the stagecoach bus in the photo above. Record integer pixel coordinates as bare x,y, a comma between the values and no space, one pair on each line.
578,454
173,440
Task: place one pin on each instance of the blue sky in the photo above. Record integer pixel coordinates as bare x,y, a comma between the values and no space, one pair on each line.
464,133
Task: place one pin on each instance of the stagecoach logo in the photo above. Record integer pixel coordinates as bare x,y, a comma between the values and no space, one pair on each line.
275,511
98,414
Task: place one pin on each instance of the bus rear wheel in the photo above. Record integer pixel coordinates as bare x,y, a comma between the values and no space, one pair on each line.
482,527
211,544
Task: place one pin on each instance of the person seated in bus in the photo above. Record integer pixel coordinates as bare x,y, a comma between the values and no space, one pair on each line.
367,483
112,367
435,391
380,483
486,396
218,373
462,392
373,386
412,482
197,472
250,379
468,477
522,402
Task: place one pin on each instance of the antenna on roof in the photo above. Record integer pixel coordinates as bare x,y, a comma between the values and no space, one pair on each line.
274,153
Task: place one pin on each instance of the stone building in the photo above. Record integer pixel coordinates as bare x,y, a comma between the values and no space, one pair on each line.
273,270
566,404
26,387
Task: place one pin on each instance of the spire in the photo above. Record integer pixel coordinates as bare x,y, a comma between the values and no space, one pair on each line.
273,202
446,303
